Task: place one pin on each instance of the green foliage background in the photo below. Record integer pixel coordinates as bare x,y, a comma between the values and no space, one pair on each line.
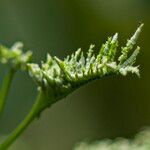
109,108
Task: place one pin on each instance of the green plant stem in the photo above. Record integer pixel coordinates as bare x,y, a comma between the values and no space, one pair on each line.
5,88
34,113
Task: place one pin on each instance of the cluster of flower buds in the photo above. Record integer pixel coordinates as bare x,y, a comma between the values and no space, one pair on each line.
62,76
15,56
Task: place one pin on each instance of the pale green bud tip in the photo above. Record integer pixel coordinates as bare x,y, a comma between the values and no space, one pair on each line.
115,38
129,45
17,45
136,34
141,26
128,69
59,62
35,72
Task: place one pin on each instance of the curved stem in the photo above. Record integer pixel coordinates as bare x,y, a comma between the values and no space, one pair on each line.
35,112
5,88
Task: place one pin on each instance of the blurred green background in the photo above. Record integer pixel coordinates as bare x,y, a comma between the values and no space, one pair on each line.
111,107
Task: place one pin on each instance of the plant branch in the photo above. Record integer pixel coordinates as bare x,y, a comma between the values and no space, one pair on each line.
5,88
34,113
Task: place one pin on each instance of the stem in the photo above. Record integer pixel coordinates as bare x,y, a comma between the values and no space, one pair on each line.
36,109
5,88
